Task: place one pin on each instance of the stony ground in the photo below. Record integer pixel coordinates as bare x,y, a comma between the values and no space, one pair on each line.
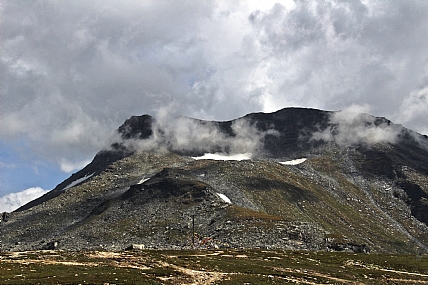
150,198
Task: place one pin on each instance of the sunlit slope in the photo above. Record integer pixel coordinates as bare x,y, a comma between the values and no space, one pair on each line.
313,205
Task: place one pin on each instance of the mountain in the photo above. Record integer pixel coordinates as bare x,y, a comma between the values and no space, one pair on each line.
293,179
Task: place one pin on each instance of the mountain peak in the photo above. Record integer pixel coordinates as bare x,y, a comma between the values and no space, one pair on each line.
310,179
136,127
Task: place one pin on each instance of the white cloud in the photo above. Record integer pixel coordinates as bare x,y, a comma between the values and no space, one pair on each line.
70,166
185,134
354,126
13,201
414,110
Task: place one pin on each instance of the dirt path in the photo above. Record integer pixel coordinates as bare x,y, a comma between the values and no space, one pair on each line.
196,277
314,273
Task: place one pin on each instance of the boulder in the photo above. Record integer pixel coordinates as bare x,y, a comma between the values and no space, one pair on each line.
51,245
135,247
4,217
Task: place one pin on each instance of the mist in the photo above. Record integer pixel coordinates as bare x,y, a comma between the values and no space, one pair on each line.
353,126
188,135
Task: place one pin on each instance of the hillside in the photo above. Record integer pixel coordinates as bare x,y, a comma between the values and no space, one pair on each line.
311,179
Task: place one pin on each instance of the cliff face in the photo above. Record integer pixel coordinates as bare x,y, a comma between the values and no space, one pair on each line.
316,180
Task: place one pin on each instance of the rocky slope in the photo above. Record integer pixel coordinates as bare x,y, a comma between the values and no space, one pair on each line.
316,180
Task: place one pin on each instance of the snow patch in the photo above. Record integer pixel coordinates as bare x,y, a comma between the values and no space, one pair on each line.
75,182
143,180
223,156
224,198
294,162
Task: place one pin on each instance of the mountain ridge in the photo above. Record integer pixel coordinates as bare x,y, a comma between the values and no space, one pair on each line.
358,170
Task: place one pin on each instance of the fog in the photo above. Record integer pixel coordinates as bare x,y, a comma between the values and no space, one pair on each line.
354,126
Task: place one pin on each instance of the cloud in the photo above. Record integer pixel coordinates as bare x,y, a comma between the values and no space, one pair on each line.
73,71
414,110
354,126
13,201
70,166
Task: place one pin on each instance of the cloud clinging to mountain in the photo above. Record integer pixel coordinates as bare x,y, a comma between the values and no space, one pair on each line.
354,125
185,134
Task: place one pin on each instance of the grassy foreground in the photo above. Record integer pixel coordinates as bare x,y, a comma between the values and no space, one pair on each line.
210,267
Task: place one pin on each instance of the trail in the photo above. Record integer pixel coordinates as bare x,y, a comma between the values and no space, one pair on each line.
196,277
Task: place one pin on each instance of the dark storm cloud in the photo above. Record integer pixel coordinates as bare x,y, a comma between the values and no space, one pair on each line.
333,54
73,71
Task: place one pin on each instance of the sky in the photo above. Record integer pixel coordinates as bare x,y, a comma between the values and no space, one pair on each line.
73,71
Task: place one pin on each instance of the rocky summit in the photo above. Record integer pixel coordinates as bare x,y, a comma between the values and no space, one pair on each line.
297,178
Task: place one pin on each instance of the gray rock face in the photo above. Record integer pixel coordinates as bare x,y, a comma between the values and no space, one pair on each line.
353,197
4,217
51,245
